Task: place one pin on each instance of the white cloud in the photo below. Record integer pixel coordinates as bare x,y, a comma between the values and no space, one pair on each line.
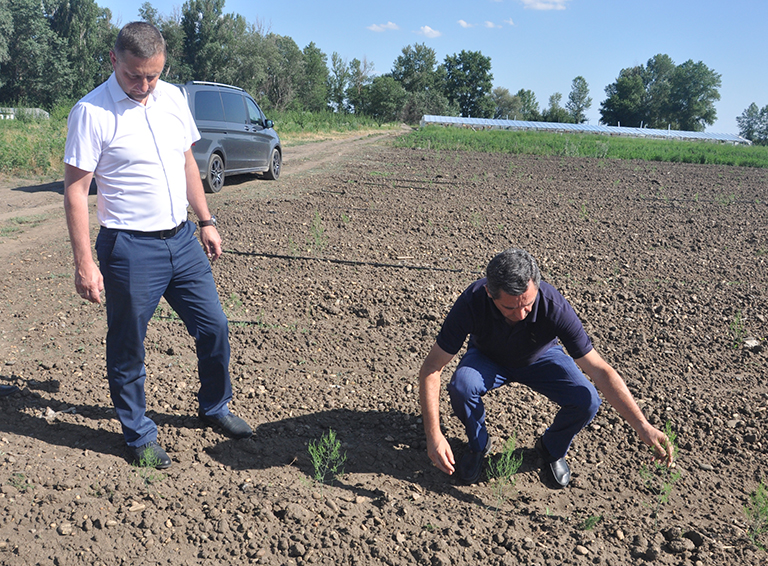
464,24
491,25
429,32
509,22
389,26
544,4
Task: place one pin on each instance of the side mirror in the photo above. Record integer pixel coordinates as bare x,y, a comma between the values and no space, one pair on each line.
269,124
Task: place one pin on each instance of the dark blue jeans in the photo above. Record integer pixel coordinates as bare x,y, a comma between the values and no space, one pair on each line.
138,270
555,375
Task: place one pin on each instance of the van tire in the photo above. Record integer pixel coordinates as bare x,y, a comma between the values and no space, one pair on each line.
214,174
275,164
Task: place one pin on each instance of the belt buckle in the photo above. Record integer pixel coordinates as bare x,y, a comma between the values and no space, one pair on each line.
167,234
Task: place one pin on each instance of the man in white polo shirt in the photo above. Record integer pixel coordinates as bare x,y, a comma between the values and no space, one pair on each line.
133,135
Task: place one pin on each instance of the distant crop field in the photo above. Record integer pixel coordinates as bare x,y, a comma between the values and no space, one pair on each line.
585,145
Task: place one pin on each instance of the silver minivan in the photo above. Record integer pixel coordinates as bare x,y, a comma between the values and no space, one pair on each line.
236,137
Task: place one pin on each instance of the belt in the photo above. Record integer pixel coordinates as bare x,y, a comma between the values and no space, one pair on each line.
159,234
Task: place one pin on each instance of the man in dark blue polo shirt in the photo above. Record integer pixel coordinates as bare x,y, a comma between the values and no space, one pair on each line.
516,323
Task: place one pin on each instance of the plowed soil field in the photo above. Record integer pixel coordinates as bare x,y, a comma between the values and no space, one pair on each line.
336,279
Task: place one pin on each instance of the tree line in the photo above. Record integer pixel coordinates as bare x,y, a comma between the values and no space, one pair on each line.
53,52
753,124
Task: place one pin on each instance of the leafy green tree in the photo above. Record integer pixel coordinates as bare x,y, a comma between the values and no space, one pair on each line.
507,106
749,122
660,95
579,100
529,107
469,82
337,83
625,104
359,77
285,72
90,35
313,91
693,93
385,98
248,66
176,68
201,22
148,13
37,70
753,124
6,29
555,112
416,68
656,80
429,102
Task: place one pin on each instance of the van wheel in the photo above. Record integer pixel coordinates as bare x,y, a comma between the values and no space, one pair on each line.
214,178
275,163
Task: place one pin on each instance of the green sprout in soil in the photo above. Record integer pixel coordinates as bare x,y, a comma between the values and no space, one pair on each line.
590,522
147,469
319,239
737,330
293,248
660,479
757,515
20,482
327,459
502,469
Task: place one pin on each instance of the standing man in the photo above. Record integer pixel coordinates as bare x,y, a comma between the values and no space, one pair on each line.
133,134
514,321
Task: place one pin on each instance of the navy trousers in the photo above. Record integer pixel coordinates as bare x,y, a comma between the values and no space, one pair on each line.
555,375
138,270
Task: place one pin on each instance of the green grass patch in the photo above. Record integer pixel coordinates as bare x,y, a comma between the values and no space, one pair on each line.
583,145
33,147
296,128
17,224
36,146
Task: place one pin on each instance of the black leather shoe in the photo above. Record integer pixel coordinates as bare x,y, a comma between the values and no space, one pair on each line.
559,471
150,455
229,424
471,464
6,390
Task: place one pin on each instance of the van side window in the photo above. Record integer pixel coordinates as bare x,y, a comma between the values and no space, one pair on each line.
208,106
234,109
254,112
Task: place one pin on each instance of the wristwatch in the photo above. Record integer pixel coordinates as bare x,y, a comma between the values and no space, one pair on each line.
204,223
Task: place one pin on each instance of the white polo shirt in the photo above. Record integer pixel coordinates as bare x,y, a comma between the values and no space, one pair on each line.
136,153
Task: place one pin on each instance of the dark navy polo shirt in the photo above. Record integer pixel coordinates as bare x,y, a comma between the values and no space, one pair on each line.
518,345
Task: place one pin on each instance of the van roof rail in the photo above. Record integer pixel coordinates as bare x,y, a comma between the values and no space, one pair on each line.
214,84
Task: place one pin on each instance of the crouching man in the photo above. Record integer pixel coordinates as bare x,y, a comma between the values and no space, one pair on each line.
514,321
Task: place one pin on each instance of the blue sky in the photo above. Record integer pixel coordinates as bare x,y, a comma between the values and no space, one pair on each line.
540,45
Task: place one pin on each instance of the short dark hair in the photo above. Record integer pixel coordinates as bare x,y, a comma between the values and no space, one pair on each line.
140,39
511,271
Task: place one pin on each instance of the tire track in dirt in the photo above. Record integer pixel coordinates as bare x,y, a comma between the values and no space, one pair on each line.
32,215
